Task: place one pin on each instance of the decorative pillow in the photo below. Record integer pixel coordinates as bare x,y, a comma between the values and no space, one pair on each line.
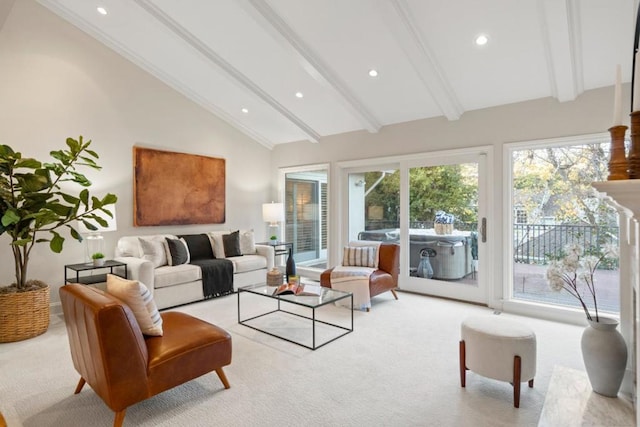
215,237
360,256
140,301
153,250
178,252
199,246
231,244
247,242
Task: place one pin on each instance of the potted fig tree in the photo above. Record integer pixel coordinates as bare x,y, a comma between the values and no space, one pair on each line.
36,205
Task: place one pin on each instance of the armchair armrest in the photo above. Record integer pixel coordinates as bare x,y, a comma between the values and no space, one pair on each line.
139,269
268,252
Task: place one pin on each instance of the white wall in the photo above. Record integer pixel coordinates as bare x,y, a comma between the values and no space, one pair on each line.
55,81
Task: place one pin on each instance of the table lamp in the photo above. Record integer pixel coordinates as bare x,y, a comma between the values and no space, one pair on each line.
273,213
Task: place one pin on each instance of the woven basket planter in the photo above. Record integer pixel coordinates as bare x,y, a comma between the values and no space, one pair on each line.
443,228
24,315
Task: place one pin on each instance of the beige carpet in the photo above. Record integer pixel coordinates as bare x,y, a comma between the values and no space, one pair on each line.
398,368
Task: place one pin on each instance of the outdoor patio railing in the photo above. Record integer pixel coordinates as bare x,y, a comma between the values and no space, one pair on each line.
536,243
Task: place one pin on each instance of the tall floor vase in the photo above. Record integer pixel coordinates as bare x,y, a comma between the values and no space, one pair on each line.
604,352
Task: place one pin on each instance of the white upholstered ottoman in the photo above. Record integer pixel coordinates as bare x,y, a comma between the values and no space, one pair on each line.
498,348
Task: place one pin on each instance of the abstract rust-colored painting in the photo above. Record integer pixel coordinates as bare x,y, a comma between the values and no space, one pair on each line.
177,188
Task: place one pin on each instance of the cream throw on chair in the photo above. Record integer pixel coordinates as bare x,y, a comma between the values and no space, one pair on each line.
355,278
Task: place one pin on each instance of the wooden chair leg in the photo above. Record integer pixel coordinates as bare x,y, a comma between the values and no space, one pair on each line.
119,419
516,381
395,295
81,384
223,377
463,365
531,383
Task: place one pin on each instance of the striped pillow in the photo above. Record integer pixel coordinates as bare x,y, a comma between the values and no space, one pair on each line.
359,256
140,301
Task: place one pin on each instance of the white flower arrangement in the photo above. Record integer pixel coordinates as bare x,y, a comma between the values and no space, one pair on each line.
575,274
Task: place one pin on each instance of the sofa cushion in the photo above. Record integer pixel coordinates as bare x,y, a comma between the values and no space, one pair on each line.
140,301
247,242
199,246
231,243
242,264
178,252
177,274
216,243
129,246
153,250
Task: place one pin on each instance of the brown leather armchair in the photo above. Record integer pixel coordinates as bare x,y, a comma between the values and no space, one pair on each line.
123,366
385,278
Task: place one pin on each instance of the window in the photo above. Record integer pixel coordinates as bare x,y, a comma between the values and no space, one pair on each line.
554,206
520,216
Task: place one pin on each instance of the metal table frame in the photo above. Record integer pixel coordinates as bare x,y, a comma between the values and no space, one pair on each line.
296,300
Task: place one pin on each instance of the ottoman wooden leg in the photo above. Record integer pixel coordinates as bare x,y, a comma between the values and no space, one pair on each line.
463,365
531,383
516,381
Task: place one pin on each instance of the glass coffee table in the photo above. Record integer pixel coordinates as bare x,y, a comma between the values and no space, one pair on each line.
289,313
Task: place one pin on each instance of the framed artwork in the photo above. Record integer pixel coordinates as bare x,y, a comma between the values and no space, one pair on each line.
177,188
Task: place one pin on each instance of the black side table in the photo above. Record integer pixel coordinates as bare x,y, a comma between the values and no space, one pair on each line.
92,278
284,248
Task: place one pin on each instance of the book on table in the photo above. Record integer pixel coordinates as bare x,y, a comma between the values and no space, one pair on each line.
298,289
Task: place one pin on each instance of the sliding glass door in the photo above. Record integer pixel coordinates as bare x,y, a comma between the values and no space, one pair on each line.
434,208
305,202
445,220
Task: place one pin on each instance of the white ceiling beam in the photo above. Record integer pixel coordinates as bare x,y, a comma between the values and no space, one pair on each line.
147,66
5,9
225,66
288,39
399,17
560,21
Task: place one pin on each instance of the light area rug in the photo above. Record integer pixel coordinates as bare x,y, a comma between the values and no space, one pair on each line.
398,368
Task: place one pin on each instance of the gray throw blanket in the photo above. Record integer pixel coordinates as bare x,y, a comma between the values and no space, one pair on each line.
217,276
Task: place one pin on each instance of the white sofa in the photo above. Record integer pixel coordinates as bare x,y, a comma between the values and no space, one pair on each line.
173,285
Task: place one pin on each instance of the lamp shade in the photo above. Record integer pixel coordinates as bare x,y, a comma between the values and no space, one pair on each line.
273,213
111,222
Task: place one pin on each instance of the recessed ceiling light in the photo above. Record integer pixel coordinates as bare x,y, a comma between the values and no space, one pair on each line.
102,11
245,110
373,73
299,94
482,39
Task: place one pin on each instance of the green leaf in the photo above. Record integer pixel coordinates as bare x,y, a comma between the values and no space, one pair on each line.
69,198
75,234
10,217
21,242
89,225
28,163
73,145
56,242
109,199
84,197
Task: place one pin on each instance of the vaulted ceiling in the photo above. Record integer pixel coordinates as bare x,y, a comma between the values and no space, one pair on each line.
245,60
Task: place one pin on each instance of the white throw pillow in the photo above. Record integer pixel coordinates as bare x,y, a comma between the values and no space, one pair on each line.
247,242
215,237
153,250
140,301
